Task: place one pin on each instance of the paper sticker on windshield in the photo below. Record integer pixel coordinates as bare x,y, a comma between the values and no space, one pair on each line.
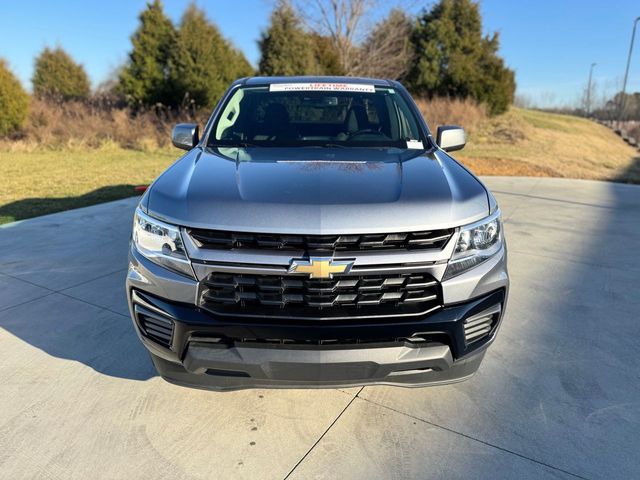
415,144
321,87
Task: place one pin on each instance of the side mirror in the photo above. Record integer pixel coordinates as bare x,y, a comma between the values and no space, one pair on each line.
185,136
450,138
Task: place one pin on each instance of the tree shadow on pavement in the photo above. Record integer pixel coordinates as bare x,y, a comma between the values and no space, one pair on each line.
62,283
33,207
632,173
66,328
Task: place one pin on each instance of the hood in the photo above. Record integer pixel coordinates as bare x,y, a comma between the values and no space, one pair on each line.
317,191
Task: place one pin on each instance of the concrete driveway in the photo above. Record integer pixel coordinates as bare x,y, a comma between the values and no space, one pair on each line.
558,395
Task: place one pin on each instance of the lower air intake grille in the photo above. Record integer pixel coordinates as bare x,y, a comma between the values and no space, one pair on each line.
342,297
480,325
154,326
415,341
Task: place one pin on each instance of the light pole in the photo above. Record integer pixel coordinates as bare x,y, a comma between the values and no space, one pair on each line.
626,72
589,89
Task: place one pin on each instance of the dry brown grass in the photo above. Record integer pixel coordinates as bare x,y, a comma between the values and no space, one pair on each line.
447,111
80,125
534,143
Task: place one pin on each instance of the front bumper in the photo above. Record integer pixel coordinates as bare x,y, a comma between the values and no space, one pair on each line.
221,353
236,368
206,351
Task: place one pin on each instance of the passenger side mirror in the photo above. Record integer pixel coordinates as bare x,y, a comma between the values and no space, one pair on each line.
185,136
451,138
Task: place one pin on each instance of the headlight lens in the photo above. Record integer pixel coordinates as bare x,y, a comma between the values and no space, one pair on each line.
161,243
476,243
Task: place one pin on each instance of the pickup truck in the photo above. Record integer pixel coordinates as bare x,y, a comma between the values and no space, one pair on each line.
316,234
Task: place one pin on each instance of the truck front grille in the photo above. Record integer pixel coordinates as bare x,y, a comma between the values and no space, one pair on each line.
218,239
342,297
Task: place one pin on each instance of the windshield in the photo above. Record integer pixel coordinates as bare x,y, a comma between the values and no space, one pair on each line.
318,114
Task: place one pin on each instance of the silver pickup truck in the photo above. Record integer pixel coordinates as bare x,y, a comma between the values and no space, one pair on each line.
316,235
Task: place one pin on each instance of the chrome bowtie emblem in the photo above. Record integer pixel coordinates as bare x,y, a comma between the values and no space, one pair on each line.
320,267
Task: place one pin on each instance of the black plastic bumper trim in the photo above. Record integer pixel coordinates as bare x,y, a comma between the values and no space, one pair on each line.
192,323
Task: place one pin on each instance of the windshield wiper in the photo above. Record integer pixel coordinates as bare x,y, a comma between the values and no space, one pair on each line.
240,144
337,145
331,145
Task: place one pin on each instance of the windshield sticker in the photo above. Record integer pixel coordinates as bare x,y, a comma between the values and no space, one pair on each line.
415,144
321,87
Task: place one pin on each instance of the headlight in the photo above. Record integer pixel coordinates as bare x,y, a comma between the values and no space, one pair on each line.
161,243
476,243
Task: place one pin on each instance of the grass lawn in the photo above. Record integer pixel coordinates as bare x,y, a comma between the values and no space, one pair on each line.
520,142
46,181
532,143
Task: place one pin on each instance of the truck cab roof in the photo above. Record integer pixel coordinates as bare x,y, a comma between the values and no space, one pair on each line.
316,79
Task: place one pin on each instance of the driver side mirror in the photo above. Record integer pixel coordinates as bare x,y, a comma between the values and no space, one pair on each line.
185,136
451,138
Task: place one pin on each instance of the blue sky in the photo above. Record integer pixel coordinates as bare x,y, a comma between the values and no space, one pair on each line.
550,44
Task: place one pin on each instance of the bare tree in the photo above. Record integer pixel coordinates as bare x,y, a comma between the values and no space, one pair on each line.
523,101
548,99
386,52
341,20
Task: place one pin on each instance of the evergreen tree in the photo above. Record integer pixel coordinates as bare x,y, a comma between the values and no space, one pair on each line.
285,47
57,76
327,60
497,84
452,58
204,63
145,79
241,65
14,101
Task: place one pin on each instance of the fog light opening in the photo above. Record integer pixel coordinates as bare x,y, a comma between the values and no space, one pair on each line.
480,325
